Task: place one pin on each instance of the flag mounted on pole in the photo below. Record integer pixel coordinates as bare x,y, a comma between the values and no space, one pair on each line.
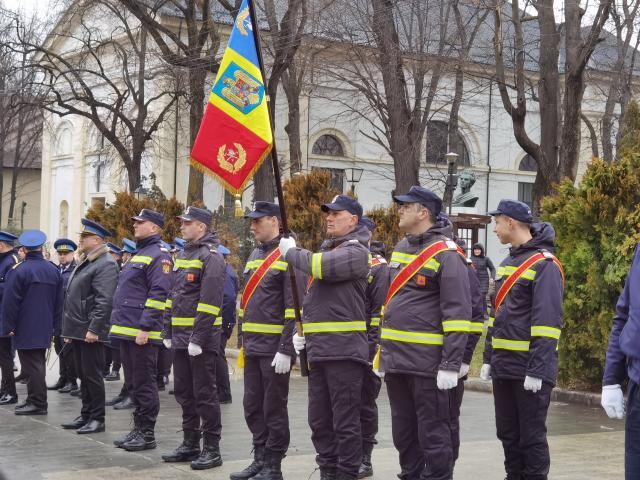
235,135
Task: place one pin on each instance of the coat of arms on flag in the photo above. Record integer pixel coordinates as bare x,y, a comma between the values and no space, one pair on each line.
235,135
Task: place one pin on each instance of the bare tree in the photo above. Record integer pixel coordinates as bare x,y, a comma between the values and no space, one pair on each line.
193,49
106,78
557,152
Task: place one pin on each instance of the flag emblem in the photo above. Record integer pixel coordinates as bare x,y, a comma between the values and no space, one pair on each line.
232,159
239,88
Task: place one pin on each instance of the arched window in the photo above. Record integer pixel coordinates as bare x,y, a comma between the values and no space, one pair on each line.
63,141
528,164
438,145
328,145
63,227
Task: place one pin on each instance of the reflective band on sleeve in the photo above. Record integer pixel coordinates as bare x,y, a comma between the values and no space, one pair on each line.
335,327
156,304
375,321
217,322
182,321
490,322
141,259
316,266
456,326
476,327
184,263
206,308
133,332
263,328
411,337
168,303
290,313
514,345
240,312
545,332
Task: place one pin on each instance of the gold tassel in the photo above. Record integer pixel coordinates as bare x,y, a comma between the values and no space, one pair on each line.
241,358
239,212
376,359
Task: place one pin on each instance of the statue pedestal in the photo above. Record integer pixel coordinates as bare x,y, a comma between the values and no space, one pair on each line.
458,210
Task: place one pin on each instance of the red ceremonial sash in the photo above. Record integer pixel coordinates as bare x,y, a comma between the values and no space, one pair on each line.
515,276
257,276
412,268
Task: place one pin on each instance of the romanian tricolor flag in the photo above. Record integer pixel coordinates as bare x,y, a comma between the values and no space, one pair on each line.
235,134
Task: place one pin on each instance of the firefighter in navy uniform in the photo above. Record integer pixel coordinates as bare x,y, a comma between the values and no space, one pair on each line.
31,312
67,380
335,328
521,352
427,317
8,259
268,322
192,330
137,321
378,284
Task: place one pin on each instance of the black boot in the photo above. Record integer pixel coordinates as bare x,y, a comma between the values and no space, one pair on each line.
255,467
272,469
129,436
58,385
210,455
143,439
327,473
366,469
188,450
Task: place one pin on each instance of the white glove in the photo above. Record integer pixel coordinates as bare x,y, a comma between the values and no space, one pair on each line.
194,350
613,401
464,370
298,343
282,363
447,379
532,384
485,372
167,343
286,244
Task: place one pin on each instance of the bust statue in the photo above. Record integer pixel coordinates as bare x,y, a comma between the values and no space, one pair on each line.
466,198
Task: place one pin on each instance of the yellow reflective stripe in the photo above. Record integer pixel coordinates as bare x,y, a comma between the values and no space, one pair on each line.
316,266
476,327
507,271
491,322
375,321
545,332
263,328
182,321
400,257
168,303
279,265
506,344
406,258
456,326
411,337
217,322
133,332
290,313
206,308
141,259
184,263
240,313
157,304
335,327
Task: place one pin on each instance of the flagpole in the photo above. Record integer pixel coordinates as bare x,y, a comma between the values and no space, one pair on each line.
304,365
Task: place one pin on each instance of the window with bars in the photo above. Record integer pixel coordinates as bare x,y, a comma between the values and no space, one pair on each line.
337,177
525,193
438,145
328,145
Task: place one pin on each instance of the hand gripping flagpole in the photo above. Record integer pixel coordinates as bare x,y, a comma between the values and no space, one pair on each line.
304,366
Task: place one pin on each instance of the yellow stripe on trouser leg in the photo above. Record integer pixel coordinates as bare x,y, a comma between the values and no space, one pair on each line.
240,363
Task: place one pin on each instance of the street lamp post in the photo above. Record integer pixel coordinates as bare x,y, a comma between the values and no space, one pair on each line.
452,178
353,176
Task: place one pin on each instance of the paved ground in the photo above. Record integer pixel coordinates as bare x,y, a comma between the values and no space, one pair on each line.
584,443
